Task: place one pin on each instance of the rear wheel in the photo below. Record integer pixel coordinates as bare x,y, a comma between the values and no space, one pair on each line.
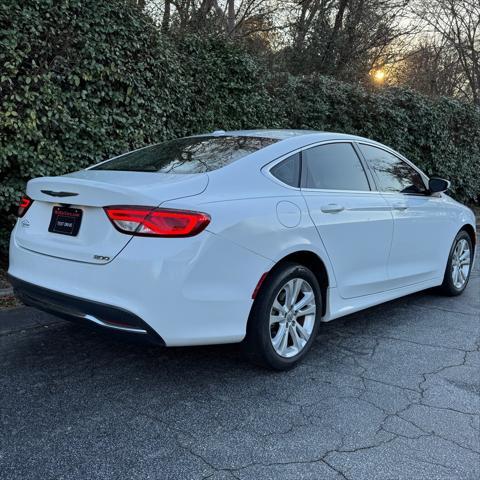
459,265
285,317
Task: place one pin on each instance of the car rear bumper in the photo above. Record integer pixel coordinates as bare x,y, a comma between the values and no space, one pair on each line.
190,291
86,312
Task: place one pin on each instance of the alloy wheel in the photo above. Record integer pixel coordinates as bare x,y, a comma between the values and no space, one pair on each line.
292,317
461,260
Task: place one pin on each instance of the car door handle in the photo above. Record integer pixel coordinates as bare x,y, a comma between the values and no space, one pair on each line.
332,208
400,206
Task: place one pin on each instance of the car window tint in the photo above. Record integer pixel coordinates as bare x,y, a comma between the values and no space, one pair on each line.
187,155
288,171
392,173
335,166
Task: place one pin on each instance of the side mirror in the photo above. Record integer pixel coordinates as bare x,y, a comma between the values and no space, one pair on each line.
438,185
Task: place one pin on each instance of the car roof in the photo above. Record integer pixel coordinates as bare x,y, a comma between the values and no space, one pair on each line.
285,133
278,134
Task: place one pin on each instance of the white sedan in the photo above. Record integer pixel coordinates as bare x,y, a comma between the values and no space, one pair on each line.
255,236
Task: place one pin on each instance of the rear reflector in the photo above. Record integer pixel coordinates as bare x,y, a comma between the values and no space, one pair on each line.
24,205
156,222
259,284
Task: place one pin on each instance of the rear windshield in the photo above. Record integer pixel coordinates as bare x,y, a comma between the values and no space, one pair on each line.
187,155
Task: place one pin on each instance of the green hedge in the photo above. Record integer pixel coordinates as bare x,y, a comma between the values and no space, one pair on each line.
84,80
442,137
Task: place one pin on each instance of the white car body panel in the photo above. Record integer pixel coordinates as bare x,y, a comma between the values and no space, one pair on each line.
195,292
96,189
338,306
198,290
425,227
364,227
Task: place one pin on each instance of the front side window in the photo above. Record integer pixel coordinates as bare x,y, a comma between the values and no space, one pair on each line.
334,166
188,155
288,170
392,173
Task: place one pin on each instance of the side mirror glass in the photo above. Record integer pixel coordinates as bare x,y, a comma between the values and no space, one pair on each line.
438,185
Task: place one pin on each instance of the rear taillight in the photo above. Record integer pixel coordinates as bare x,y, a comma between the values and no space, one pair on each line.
24,205
156,222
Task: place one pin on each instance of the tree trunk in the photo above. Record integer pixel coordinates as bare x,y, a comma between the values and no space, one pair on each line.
166,17
337,26
231,17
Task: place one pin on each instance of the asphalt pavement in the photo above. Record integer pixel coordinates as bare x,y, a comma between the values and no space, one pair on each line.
392,392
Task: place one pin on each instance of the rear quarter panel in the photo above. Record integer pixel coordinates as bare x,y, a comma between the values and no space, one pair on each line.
257,214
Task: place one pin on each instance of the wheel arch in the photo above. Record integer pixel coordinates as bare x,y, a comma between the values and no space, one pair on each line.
313,262
471,233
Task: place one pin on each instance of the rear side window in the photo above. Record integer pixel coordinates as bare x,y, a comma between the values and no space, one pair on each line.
187,155
392,173
335,166
288,171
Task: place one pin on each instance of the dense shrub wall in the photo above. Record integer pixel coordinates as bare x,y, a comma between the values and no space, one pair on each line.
85,79
442,137
81,80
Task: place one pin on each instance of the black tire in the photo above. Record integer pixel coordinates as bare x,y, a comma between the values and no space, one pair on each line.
258,344
448,286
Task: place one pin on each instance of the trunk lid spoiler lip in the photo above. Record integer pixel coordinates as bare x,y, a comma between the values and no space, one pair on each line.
94,193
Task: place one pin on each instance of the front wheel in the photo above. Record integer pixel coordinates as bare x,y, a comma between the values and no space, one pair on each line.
285,317
459,265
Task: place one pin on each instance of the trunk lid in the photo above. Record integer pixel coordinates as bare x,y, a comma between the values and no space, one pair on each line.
97,240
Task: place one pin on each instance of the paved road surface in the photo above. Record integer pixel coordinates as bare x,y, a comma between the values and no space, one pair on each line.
389,393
